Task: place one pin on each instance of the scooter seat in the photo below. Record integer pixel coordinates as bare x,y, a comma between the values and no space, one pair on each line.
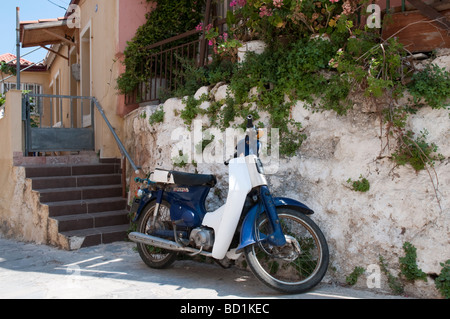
190,179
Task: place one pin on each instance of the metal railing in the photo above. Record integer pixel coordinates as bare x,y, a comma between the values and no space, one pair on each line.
63,123
47,110
164,68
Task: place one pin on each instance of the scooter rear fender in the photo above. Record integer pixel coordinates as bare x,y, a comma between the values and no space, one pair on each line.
248,225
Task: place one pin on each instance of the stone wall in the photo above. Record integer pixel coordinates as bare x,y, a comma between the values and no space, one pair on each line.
400,206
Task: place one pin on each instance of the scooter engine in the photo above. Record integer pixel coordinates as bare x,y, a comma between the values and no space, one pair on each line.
202,237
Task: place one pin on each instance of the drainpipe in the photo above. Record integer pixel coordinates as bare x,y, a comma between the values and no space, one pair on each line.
18,47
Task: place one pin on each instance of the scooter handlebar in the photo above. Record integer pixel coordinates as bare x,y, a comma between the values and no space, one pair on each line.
143,180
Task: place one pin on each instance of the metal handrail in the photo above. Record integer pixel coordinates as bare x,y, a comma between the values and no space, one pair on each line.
122,149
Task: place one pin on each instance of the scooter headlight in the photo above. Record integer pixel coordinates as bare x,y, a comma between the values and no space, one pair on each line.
139,193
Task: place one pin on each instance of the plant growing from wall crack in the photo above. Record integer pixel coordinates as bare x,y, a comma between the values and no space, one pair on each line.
442,281
408,264
360,185
353,277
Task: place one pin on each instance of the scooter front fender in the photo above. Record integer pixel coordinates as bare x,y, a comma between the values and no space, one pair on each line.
248,226
144,201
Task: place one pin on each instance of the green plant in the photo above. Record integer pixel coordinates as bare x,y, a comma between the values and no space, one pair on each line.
340,59
408,264
289,18
7,68
169,18
157,116
394,282
225,45
188,78
192,109
432,84
372,65
361,185
353,277
181,160
442,282
207,139
416,151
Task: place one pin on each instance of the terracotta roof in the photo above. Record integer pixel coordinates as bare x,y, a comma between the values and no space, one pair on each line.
8,57
41,21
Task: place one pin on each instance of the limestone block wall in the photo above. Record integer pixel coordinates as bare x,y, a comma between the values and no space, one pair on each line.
402,205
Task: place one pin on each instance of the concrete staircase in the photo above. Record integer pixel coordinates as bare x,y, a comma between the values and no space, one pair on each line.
84,201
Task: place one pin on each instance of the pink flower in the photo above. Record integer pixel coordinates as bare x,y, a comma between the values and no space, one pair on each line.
264,11
210,43
279,3
199,27
240,3
334,1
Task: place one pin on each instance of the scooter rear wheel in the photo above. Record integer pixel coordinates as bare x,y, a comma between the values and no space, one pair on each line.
295,267
155,257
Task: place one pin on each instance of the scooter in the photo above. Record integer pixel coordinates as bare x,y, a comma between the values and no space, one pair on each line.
283,246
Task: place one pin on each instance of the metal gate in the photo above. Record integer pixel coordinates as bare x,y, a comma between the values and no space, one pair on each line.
58,123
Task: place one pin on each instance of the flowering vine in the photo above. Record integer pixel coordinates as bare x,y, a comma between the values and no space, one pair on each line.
297,18
224,45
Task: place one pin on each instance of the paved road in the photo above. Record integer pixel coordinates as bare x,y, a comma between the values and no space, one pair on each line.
116,271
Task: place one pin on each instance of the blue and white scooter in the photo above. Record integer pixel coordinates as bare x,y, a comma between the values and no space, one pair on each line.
284,248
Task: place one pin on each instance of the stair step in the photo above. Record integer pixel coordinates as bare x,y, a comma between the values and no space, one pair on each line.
101,235
79,193
91,220
71,170
75,181
84,197
86,206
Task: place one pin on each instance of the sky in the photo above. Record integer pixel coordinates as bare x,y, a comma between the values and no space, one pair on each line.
29,10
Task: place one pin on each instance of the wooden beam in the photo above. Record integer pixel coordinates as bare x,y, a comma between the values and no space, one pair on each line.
431,13
58,37
53,51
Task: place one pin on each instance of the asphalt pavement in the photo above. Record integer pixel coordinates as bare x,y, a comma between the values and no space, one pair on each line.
115,271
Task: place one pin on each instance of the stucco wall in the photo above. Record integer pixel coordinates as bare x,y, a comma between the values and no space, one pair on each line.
21,215
401,205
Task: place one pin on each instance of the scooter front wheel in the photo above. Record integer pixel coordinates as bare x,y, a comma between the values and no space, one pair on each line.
155,257
295,267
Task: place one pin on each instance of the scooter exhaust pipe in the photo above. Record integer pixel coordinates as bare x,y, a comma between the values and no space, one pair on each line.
164,244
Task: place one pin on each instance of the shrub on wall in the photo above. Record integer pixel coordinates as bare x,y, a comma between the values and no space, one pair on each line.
168,19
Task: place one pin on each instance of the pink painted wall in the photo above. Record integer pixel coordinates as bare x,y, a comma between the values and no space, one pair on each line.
131,17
